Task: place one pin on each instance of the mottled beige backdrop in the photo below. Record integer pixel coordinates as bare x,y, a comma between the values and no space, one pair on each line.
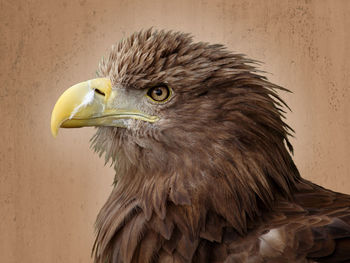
52,189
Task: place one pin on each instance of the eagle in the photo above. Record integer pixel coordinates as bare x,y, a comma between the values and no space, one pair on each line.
203,164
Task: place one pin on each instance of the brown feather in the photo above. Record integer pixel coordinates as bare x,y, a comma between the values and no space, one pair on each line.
213,180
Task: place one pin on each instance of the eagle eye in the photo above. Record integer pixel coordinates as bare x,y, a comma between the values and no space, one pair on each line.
159,93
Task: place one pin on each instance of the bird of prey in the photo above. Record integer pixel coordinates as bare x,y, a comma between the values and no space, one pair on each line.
203,165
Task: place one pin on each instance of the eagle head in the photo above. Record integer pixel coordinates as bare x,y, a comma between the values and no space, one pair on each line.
185,115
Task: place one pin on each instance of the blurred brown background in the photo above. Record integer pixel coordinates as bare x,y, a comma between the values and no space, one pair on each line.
51,189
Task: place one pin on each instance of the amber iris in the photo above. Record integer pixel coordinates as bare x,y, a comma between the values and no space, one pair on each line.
159,93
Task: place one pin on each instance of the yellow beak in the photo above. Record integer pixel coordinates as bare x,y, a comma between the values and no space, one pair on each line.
90,103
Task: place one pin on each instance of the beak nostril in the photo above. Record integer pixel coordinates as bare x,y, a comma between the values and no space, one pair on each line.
100,92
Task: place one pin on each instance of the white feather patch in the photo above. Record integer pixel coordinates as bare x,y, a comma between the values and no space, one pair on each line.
272,243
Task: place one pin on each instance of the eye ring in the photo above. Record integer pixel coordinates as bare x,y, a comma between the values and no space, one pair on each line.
159,93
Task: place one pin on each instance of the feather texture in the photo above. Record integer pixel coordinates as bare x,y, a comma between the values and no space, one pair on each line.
213,180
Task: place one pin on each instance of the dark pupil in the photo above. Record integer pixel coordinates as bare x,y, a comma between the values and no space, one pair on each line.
158,92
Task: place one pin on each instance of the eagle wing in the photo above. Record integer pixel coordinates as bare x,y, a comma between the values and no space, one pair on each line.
315,227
